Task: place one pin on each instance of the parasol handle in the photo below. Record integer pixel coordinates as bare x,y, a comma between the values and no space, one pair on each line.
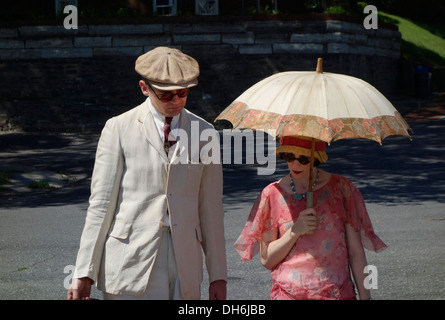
319,65
310,193
311,176
310,199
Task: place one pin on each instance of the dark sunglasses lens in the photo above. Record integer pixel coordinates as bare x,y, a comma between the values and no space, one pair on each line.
183,93
303,160
289,157
168,96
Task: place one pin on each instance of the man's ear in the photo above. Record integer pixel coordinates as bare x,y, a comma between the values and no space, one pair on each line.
144,88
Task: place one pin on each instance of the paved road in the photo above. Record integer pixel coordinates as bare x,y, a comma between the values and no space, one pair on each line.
402,183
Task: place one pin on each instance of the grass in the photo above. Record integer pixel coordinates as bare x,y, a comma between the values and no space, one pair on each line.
422,43
4,177
39,185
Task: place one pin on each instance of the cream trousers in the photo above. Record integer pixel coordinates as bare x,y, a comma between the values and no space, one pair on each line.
164,280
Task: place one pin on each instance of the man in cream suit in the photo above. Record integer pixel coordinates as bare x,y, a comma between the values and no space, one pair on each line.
155,204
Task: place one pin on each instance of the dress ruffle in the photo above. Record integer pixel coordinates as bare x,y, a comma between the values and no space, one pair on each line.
356,215
258,223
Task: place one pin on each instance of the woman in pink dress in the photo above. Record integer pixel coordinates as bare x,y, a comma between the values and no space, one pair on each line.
310,252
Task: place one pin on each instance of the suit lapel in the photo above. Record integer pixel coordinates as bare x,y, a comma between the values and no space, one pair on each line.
148,128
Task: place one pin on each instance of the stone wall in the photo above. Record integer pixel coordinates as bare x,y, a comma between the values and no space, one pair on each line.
58,80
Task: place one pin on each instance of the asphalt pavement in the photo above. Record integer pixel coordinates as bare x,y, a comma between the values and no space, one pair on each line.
402,181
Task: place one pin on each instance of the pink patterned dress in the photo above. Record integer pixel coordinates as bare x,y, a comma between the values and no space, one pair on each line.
317,266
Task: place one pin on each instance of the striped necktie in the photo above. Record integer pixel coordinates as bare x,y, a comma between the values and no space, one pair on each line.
167,129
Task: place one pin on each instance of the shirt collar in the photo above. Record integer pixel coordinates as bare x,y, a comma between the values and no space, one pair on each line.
160,119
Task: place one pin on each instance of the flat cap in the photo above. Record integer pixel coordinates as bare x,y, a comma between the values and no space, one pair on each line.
168,69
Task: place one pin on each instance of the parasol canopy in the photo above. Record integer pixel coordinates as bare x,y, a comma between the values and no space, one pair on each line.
321,105
317,105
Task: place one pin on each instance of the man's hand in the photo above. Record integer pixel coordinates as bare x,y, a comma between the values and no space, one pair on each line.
80,289
218,290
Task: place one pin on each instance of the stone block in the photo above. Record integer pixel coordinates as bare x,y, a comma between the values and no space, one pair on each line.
362,50
197,39
19,54
64,53
217,27
316,37
65,42
126,29
354,38
209,51
238,38
132,41
255,49
297,48
8,32
387,53
11,44
271,37
178,28
338,48
118,51
344,26
83,42
151,47
385,43
39,31
277,26
310,26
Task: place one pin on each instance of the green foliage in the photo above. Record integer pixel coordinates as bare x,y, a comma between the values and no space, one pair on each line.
39,185
335,9
423,43
4,177
263,10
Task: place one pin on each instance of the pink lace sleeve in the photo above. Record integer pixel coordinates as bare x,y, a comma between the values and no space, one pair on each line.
260,220
357,216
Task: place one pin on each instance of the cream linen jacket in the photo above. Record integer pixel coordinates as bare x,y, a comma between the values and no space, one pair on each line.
133,185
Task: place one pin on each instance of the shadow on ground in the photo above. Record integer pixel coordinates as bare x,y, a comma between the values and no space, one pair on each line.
399,171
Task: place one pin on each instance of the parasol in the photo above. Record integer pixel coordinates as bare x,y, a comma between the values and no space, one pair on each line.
318,105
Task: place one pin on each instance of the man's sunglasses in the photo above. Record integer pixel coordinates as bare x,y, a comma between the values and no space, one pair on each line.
290,157
168,95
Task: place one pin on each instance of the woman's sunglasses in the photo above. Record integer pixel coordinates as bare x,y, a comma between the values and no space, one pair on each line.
168,95
290,157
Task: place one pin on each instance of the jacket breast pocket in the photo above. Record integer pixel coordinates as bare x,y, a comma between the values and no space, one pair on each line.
115,246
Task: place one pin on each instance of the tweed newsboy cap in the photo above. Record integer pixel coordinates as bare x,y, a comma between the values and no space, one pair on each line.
168,69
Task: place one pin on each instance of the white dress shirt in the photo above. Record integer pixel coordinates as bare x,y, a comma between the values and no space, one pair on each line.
160,121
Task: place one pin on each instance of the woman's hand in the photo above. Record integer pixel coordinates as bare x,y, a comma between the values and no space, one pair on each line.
273,249
306,222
